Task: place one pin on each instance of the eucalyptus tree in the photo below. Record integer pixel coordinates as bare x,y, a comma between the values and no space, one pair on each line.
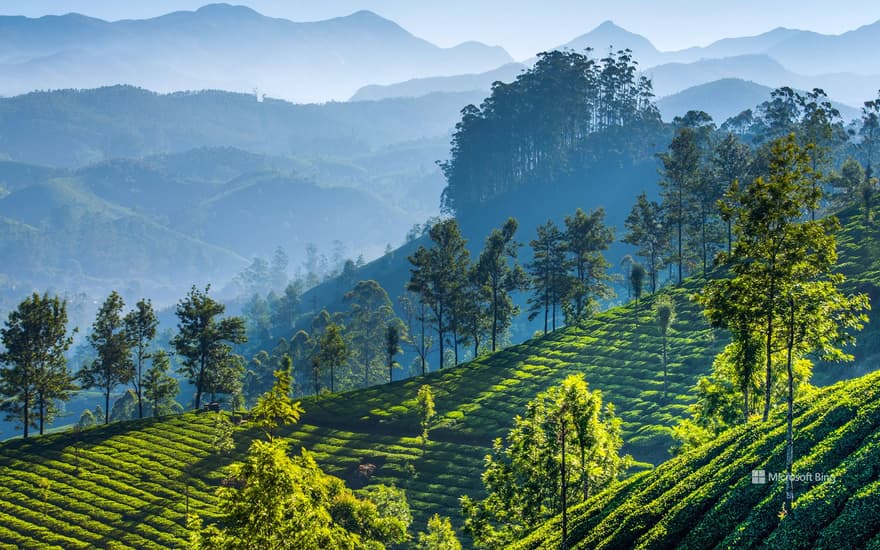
140,326
35,373
439,276
498,272
645,230
586,237
113,365
680,174
203,339
549,273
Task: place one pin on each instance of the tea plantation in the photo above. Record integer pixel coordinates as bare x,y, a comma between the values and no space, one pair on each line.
707,498
125,485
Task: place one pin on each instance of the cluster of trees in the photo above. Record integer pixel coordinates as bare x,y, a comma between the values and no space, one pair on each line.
343,350
36,376
564,449
537,129
470,302
778,296
704,167
275,500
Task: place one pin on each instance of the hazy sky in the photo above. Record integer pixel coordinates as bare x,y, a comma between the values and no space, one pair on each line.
524,27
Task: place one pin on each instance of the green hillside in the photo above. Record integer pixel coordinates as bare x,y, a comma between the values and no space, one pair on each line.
131,475
706,498
129,484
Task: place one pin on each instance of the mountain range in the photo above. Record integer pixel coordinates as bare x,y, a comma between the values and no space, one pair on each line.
842,65
195,50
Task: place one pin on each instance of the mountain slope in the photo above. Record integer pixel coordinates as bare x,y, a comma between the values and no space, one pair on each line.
193,50
709,497
126,483
722,99
75,128
422,86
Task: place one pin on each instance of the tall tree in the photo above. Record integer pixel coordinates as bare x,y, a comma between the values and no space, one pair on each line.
333,351
645,230
586,236
681,165
370,313
439,275
498,272
731,163
416,315
112,366
203,338
549,273
160,388
664,316
140,326
566,439
35,373
392,347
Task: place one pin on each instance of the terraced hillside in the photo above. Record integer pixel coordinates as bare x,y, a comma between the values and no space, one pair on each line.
129,489
129,486
707,498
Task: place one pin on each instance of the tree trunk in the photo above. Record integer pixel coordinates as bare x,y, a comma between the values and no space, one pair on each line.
494,314
789,437
564,493
769,349
332,378
745,391
42,405
440,333
107,405
139,384
27,413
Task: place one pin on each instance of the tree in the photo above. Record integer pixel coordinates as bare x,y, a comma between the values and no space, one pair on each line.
637,281
86,419
113,366
278,269
499,278
731,162
160,388
439,536
392,348
645,230
870,133
586,236
202,338
273,500
140,327
332,351
566,439
549,273
276,407
369,316
425,408
681,164
35,373
664,316
439,276
416,311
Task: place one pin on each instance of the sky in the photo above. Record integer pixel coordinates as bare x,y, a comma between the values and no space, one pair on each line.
522,27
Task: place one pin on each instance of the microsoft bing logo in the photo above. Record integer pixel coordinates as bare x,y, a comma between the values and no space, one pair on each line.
759,477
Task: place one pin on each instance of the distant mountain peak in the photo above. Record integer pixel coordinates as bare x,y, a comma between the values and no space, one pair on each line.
224,9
